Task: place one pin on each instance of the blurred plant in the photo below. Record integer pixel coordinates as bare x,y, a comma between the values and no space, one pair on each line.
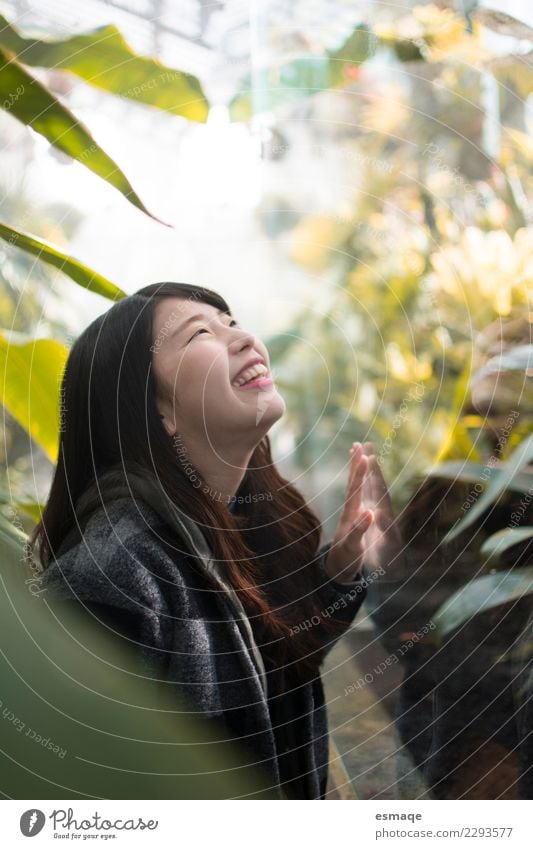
32,368
485,274
418,336
428,248
103,59
501,586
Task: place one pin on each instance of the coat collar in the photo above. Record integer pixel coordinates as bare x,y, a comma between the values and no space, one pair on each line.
135,483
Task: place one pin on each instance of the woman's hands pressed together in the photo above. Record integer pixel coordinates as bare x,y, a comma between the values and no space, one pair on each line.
367,533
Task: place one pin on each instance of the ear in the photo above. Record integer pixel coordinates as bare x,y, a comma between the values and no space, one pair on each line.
168,422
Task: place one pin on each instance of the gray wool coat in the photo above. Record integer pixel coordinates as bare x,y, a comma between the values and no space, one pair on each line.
122,568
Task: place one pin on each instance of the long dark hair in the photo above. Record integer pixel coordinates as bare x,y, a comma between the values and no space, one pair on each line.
109,417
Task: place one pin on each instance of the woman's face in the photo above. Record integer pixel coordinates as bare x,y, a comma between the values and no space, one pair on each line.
198,352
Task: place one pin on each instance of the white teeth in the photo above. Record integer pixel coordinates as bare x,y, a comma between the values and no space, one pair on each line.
253,371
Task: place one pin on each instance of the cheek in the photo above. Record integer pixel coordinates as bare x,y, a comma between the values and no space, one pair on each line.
203,374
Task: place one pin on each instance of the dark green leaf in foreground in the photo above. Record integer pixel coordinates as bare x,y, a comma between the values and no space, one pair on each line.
46,252
27,99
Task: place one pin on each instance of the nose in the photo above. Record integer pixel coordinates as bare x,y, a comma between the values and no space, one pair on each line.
244,340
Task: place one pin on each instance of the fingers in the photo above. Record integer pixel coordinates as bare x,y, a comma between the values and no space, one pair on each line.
354,490
357,452
348,544
362,524
355,456
379,496
377,485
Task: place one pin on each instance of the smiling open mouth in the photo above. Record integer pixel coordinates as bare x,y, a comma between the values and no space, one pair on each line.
255,376
256,382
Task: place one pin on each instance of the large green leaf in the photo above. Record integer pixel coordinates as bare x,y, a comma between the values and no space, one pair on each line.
30,376
104,59
499,542
479,595
27,99
81,716
81,274
501,480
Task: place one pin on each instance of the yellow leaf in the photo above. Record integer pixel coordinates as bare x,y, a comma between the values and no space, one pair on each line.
30,376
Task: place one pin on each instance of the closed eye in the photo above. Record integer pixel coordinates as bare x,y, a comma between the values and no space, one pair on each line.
201,330
205,330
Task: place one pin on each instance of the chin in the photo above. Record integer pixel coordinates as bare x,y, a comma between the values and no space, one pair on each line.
270,411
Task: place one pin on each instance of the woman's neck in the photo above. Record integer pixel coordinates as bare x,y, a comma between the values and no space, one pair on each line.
221,471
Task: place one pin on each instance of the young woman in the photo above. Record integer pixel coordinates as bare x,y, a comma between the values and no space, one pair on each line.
168,520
